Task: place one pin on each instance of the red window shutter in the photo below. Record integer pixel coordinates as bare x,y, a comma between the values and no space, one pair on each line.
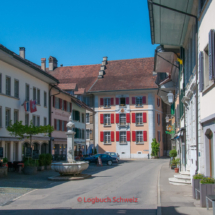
101,118
65,105
133,100
133,136
144,100
128,136
60,100
102,136
117,136
101,101
53,101
117,118
144,135
60,125
111,101
144,117
55,124
70,107
65,122
112,118
128,117
127,100
117,101
157,118
157,136
133,117
112,136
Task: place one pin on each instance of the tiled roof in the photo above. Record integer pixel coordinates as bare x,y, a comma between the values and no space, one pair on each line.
70,86
127,75
80,91
83,76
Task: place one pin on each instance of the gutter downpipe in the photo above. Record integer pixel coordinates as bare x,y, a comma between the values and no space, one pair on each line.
196,18
50,120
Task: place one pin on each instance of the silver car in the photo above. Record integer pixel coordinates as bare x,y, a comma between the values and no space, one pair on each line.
114,155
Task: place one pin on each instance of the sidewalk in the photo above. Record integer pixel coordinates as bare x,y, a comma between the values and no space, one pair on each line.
177,199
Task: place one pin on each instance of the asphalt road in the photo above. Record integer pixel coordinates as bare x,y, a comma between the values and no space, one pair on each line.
127,188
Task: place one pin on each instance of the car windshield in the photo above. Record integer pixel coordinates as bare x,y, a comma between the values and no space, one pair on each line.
112,154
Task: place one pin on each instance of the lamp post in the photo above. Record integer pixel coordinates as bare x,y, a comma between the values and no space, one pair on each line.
170,97
167,119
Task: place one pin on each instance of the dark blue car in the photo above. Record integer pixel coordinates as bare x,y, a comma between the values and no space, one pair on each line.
104,157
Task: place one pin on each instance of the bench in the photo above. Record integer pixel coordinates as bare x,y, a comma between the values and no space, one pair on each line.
211,198
196,193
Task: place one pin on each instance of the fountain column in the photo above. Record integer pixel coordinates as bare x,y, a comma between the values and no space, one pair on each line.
70,141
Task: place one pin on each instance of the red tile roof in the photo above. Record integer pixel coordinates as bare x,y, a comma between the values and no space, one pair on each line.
70,86
127,75
83,76
80,91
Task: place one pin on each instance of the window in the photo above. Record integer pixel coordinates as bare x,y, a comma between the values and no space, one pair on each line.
62,104
62,128
16,88
107,137
7,117
122,102
16,116
34,120
26,119
87,118
139,101
139,136
38,121
206,67
8,85
76,115
68,106
45,121
0,117
82,116
0,83
27,90
122,119
57,103
107,102
58,125
139,118
122,136
38,96
87,101
34,94
45,99
106,119
88,134
82,134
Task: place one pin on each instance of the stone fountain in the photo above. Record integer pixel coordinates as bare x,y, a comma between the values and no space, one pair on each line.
70,170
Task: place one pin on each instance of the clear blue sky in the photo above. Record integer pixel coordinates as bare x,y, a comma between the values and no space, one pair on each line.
77,32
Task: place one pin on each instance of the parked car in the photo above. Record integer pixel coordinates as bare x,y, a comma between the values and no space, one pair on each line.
114,155
104,157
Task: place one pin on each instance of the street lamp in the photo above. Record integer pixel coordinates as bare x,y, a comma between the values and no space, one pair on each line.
167,119
170,97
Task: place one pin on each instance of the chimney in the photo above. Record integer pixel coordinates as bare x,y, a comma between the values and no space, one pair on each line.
43,64
61,65
52,63
22,52
105,58
102,68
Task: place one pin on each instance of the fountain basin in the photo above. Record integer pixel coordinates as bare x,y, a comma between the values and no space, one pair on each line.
70,168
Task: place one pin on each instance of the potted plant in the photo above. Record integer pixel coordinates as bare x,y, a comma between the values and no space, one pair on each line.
172,154
30,166
207,187
48,161
155,148
195,183
175,164
5,162
41,166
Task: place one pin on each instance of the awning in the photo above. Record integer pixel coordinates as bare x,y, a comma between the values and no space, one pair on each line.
169,27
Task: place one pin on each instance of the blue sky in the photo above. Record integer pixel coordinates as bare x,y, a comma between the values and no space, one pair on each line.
77,32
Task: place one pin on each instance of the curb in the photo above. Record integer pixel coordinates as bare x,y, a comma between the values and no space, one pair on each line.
159,212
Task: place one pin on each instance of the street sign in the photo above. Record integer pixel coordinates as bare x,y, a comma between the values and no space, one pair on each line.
1,152
28,152
35,154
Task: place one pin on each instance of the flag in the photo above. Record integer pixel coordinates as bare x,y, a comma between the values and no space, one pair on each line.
26,106
33,106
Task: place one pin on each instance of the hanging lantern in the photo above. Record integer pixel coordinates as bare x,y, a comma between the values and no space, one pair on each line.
170,97
167,119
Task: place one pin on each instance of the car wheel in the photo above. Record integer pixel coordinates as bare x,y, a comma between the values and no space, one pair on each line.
109,163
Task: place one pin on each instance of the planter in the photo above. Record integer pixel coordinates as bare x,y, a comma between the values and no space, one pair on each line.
40,168
195,185
206,189
30,170
3,171
48,167
176,170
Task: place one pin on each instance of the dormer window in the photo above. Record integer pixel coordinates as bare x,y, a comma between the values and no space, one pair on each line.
122,101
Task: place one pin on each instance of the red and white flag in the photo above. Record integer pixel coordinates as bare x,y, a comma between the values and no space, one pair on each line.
26,106
33,106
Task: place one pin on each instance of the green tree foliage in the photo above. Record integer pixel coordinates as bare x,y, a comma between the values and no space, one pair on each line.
155,147
27,131
173,153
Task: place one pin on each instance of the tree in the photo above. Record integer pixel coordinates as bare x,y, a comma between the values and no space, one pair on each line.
155,147
27,131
